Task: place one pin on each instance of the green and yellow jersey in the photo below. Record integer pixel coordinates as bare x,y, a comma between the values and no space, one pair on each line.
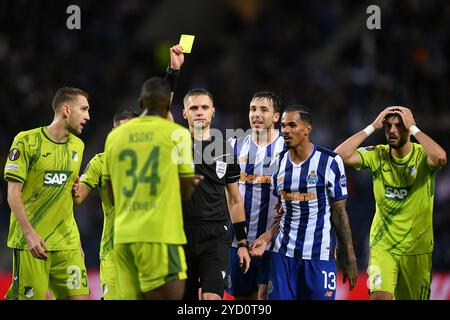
144,159
92,177
404,196
47,169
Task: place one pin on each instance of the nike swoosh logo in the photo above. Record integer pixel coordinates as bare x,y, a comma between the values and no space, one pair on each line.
15,278
224,155
386,170
46,154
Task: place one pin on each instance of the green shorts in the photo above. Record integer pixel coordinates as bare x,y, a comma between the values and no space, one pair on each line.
108,277
143,267
63,273
407,277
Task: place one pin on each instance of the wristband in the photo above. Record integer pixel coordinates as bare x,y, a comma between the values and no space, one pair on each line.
171,77
169,70
242,245
413,130
369,130
240,228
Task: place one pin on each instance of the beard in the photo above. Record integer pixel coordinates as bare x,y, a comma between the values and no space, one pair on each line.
401,142
289,145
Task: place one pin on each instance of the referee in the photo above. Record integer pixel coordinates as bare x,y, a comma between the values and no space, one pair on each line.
215,200
206,216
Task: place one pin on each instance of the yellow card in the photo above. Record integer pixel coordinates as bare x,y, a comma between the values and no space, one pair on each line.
186,42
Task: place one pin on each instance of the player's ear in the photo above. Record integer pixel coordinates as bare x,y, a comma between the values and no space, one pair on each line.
184,114
65,110
308,130
276,117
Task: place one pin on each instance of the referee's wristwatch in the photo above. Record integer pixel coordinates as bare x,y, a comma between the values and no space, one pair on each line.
242,245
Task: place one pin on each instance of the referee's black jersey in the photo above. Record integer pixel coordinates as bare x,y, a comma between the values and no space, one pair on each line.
215,160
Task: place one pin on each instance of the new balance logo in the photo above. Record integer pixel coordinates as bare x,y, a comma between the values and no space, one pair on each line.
56,178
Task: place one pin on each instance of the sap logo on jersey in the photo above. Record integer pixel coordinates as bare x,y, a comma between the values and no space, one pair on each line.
56,178
396,193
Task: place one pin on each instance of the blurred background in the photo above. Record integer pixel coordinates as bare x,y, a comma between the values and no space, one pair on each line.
317,53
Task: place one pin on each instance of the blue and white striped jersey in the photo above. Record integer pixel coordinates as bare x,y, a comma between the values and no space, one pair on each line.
307,190
258,164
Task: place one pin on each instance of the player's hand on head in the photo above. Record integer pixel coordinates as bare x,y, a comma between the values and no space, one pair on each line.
36,245
407,116
379,121
176,57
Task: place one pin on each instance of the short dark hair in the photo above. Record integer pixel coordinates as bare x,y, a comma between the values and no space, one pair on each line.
155,94
198,92
390,115
66,94
276,101
125,114
305,113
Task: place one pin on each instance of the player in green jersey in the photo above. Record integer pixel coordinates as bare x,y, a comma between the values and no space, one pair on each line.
401,236
92,178
42,166
148,169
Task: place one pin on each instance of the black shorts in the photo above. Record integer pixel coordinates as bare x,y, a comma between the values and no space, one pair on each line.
207,256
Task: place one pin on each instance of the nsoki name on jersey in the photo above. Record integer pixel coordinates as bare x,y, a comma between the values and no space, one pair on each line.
56,178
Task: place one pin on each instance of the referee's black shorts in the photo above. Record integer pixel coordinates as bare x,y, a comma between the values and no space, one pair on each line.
207,256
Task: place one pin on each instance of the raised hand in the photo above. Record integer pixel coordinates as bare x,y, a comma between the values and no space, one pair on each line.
176,57
407,116
379,121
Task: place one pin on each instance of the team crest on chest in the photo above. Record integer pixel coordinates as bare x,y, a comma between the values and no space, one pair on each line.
221,168
312,177
74,156
412,171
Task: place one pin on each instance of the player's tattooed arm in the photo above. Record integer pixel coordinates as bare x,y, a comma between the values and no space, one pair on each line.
339,218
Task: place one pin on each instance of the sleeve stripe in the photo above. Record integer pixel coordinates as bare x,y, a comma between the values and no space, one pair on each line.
14,177
87,184
186,174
